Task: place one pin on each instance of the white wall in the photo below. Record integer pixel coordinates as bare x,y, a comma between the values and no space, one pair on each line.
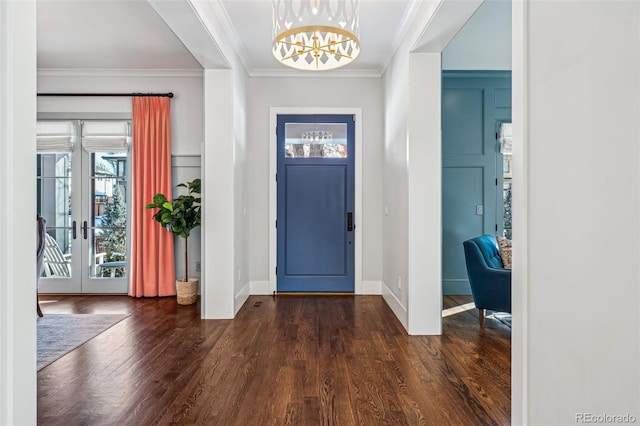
395,259
577,204
225,261
17,224
218,212
187,118
425,184
264,93
187,126
484,43
242,237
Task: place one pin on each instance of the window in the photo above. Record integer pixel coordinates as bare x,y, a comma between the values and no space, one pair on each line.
317,140
505,148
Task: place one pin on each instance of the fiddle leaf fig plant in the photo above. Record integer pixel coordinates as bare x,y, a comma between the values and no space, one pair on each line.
181,215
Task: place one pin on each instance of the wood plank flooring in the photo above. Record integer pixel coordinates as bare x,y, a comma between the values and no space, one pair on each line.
339,360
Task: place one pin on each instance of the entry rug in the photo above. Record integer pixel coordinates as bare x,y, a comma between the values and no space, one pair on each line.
59,334
503,317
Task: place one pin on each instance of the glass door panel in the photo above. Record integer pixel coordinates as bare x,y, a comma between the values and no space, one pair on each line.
321,140
54,186
106,244
506,160
83,198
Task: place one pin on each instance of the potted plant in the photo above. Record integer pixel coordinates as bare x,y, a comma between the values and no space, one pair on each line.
180,216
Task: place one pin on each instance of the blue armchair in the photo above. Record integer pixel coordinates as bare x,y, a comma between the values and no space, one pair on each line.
490,281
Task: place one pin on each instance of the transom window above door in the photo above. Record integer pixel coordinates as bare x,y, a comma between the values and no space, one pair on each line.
316,140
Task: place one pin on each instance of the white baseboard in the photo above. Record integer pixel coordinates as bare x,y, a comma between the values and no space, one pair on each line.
371,287
260,287
396,306
241,297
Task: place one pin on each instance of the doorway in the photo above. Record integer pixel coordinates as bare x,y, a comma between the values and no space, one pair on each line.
315,222
474,106
82,193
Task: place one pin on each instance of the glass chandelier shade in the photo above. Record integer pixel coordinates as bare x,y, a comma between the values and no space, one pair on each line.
315,35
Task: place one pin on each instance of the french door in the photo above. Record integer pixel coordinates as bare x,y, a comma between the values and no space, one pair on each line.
83,193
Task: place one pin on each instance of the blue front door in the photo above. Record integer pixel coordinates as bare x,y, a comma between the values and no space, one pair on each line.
316,222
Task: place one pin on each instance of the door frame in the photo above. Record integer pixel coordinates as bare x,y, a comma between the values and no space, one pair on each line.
273,189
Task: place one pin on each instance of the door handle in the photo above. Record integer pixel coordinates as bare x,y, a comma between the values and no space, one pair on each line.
84,229
349,221
73,230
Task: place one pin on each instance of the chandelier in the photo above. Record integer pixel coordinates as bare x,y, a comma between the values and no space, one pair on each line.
315,35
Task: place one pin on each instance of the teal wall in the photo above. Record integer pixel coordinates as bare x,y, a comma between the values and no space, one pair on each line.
474,103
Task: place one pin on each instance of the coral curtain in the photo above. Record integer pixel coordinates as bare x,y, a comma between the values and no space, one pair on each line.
152,259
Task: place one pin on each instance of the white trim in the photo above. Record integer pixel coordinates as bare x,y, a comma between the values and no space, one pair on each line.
208,13
442,21
395,304
186,160
99,72
241,297
260,287
520,272
218,189
411,14
424,284
291,73
18,395
273,189
229,30
190,22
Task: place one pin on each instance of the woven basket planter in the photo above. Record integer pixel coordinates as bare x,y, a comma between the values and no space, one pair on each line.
187,291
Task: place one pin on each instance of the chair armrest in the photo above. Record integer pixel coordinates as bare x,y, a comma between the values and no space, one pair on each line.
500,272
495,293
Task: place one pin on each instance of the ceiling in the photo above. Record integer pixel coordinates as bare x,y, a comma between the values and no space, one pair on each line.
106,34
129,34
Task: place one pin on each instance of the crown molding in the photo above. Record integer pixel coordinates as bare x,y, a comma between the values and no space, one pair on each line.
188,26
439,22
230,32
215,18
339,73
406,22
113,72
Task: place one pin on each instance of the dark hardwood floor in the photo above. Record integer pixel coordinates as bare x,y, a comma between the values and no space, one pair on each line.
338,360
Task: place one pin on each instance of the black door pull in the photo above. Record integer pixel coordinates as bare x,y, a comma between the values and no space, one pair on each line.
349,222
84,229
73,230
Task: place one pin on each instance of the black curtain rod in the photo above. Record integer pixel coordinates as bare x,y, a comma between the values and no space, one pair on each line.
164,95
